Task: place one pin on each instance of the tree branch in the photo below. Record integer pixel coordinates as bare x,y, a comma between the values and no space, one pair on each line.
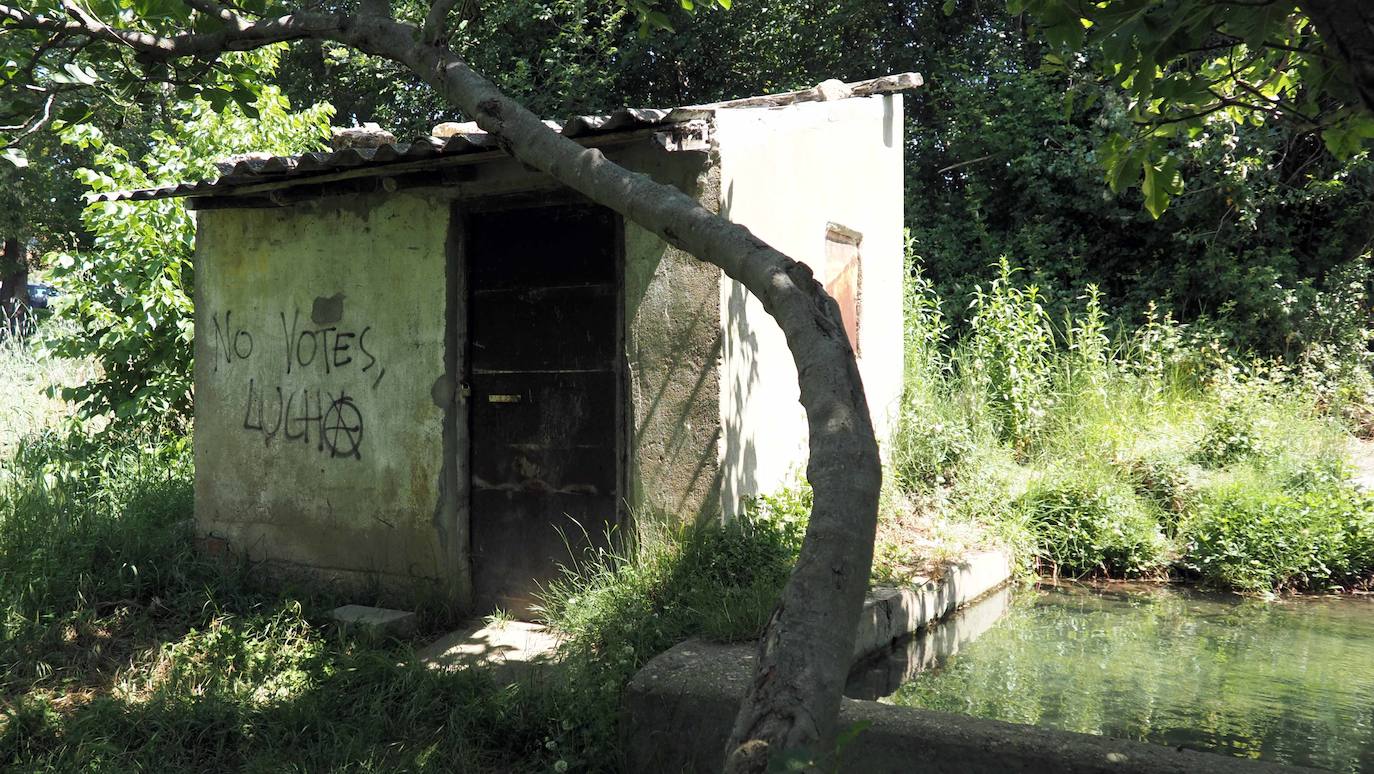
436,22
40,120
953,167
240,37
215,11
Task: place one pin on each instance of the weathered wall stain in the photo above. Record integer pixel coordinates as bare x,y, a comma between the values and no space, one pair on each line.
325,416
327,311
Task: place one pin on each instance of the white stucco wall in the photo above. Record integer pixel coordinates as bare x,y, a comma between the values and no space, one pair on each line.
786,173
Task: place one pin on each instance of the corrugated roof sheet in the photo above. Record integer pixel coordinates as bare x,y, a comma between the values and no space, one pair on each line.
250,171
268,169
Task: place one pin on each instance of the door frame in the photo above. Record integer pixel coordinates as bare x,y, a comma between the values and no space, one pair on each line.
458,342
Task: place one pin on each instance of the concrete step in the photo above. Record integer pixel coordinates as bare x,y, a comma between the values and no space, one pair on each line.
510,650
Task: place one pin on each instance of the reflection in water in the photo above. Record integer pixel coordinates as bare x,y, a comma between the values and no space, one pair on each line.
883,673
1289,681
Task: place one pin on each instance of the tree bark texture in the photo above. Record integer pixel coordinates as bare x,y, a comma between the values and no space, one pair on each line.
804,654
14,282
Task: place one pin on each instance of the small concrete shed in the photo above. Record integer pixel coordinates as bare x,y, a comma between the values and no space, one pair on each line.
427,366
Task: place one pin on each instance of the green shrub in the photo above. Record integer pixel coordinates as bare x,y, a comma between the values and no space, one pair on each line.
129,296
1087,523
928,448
1311,473
779,519
1163,481
1359,540
1230,437
620,609
1254,537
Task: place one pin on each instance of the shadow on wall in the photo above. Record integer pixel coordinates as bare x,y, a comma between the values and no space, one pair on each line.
673,374
739,469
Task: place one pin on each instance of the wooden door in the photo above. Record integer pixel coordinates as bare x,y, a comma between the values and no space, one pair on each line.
543,365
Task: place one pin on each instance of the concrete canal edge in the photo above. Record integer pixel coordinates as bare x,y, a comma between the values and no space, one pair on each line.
893,613
679,708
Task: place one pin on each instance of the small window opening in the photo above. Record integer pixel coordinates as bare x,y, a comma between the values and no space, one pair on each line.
844,276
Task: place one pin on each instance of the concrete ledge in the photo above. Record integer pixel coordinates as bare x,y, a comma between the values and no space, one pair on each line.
893,613
679,709
878,675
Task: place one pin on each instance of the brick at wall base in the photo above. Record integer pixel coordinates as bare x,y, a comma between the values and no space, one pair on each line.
213,547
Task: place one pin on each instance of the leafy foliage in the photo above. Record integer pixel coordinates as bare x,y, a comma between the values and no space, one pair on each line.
1248,538
131,292
53,84
1266,244
1089,526
1187,67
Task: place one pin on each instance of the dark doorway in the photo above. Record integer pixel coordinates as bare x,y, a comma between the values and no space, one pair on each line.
544,337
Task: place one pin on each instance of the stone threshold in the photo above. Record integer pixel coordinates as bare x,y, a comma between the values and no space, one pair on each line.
508,650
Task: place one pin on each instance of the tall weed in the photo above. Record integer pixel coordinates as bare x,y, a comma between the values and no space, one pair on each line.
1126,441
1008,354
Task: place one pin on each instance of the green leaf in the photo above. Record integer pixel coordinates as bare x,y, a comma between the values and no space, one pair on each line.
15,157
658,20
1347,137
1159,185
82,75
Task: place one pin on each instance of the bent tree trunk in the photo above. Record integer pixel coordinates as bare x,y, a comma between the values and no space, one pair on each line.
804,654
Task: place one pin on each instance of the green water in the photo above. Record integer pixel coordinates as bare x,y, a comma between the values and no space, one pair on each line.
1290,681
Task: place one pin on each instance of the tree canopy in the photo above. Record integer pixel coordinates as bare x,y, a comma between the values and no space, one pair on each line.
1185,65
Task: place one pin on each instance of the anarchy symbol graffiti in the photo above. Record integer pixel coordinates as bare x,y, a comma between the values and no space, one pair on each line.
341,429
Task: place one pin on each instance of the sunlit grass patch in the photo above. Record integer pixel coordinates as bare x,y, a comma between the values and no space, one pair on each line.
27,376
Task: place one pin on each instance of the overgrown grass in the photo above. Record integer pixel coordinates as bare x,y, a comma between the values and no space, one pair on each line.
620,608
27,373
1097,450
123,648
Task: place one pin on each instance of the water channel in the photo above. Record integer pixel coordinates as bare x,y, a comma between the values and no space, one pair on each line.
1291,681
